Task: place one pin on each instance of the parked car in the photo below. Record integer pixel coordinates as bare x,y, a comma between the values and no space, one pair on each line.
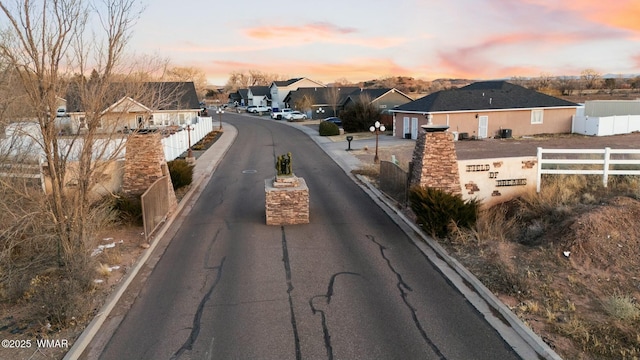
278,115
258,109
295,115
334,120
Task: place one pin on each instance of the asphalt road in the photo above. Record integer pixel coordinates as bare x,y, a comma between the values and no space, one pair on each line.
349,285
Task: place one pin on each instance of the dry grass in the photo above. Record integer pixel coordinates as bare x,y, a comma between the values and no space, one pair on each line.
555,257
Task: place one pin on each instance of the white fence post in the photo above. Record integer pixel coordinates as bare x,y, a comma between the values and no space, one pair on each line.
539,165
607,160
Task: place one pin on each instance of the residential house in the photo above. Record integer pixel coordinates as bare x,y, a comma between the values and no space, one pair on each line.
259,95
486,109
148,105
329,101
280,89
319,102
240,97
384,99
234,98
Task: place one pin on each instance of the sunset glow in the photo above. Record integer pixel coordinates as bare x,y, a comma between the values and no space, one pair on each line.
475,39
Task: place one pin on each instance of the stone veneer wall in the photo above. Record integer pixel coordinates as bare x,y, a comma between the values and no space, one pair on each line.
435,163
286,205
144,164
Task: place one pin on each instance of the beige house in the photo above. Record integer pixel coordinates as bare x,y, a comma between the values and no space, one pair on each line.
486,109
152,105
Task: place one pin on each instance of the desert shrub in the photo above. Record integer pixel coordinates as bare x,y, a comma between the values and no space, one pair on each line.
181,173
436,209
60,297
328,129
129,209
622,307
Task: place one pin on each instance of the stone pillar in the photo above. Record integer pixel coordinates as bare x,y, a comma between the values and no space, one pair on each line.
434,162
144,164
286,200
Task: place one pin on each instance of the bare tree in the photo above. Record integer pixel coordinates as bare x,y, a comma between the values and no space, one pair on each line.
305,103
196,75
246,78
542,82
591,78
566,85
44,44
519,80
333,98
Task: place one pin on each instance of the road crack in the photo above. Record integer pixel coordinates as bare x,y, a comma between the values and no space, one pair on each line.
327,296
287,270
195,328
404,288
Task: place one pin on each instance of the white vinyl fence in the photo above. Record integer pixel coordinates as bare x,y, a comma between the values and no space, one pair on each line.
605,125
605,162
178,142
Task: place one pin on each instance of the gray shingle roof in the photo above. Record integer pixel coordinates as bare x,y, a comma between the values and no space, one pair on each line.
320,95
261,91
484,95
287,82
154,95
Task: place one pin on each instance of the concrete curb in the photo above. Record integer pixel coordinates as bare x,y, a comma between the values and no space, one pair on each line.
202,173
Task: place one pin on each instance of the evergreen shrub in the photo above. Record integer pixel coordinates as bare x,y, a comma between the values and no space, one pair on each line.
328,129
436,209
181,173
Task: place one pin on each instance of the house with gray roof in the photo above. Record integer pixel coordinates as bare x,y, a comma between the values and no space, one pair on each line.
384,99
486,109
280,89
138,106
324,102
319,102
259,95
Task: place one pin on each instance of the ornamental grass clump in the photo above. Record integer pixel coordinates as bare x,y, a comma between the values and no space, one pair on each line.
435,210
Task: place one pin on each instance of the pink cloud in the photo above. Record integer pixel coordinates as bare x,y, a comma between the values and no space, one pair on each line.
318,32
624,14
317,29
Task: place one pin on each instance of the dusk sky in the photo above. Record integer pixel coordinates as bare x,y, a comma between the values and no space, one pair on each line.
362,40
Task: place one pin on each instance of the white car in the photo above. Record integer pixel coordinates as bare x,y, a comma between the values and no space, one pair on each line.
258,109
295,115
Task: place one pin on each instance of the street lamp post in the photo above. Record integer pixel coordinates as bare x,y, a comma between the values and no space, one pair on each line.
320,111
377,128
220,112
189,152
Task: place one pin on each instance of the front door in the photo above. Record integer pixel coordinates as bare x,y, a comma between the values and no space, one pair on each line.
414,128
483,127
406,127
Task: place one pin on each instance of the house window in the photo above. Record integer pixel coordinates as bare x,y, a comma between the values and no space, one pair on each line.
83,122
536,116
181,119
151,122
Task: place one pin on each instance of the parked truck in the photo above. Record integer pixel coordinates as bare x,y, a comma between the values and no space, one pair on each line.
279,114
